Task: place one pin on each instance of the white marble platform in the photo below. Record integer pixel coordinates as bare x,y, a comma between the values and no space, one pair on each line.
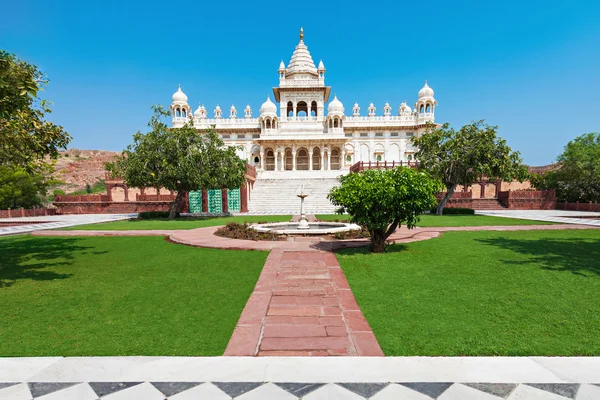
557,216
56,222
419,378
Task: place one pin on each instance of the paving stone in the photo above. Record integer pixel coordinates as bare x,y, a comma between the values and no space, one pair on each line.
16,392
502,390
235,389
462,392
525,392
304,343
299,389
81,391
332,392
105,388
398,392
143,391
568,390
294,331
588,392
267,391
172,388
204,391
431,389
336,331
365,389
41,388
7,384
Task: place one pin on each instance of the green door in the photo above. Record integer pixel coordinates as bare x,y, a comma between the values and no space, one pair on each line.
196,202
233,200
214,201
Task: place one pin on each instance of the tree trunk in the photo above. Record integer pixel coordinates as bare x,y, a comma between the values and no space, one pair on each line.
175,205
449,193
377,241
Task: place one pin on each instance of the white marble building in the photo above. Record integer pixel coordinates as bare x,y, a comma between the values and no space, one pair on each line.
308,131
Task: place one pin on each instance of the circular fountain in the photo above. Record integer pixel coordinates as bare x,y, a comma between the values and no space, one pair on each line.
303,227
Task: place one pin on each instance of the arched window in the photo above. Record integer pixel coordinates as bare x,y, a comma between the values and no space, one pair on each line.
256,160
313,109
177,113
428,109
422,108
183,113
378,158
301,109
335,123
335,159
348,159
290,109
409,158
268,124
270,160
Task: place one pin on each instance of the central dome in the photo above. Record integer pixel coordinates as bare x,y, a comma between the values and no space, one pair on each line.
301,61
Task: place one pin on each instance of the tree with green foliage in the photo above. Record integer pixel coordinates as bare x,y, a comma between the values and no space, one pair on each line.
576,177
383,200
20,187
28,143
179,159
466,156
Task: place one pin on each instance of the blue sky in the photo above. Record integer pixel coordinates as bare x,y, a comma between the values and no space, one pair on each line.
530,67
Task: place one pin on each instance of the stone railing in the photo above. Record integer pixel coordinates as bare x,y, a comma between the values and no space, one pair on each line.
578,206
155,197
362,165
81,198
250,172
27,212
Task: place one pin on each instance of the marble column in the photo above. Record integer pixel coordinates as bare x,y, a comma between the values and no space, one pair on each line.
310,157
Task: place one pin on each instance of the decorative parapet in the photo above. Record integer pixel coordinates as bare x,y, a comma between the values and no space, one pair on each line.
362,165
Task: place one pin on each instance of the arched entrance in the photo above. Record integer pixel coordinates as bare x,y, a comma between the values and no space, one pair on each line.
288,159
302,159
270,160
335,159
316,159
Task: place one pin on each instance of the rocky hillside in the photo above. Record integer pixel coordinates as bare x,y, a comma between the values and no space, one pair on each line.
77,167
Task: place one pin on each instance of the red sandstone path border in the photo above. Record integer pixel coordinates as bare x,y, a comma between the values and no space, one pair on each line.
302,304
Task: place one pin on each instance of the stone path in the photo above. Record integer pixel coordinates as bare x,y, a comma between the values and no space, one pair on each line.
30,224
302,306
558,216
309,378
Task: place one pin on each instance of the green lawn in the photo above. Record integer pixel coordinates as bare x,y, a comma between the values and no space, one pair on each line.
125,296
179,223
483,294
429,220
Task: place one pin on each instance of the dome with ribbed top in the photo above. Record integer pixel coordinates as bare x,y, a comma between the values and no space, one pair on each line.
301,61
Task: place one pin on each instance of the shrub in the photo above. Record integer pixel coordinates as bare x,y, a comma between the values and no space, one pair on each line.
455,211
154,214
234,230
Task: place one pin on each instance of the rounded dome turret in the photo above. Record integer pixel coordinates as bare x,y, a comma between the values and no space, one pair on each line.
179,96
426,91
198,112
404,109
268,107
335,107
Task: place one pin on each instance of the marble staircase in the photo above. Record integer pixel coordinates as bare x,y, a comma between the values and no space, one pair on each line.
276,192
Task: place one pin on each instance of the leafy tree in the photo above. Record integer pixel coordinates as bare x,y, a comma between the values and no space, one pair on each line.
577,175
26,138
179,159
383,200
20,187
28,143
466,156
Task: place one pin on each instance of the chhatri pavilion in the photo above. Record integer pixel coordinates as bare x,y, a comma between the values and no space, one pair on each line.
310,132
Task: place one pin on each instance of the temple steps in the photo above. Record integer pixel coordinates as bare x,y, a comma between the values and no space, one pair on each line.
280,195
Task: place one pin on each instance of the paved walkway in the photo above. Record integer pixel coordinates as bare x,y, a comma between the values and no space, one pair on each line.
302,305
30,224
558,216
309,378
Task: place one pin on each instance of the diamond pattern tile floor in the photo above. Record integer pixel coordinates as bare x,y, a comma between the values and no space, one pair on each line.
296,390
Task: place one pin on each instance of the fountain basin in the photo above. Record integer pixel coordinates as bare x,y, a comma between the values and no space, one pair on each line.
314,228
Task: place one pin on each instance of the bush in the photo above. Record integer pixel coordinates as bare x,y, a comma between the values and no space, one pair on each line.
455,211
155,214
234,230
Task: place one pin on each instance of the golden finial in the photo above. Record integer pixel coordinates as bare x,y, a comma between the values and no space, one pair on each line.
301,34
